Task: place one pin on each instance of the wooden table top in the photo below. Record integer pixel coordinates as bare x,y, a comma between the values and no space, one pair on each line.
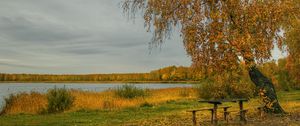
219,101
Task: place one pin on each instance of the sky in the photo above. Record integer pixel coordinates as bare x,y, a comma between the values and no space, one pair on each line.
80,37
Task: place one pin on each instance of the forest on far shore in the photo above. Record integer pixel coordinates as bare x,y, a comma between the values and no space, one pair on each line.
279,72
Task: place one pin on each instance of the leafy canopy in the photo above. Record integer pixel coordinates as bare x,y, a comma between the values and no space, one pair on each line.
293,44
217,34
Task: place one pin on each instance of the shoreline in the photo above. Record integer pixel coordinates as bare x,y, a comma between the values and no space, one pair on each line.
110,82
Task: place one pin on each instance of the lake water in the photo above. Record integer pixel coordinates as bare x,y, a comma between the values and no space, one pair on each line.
13,88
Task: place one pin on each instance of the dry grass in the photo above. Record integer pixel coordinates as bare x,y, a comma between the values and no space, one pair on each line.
108,100
31,103
182,118
34,103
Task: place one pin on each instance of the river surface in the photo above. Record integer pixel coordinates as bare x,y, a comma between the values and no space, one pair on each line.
13,88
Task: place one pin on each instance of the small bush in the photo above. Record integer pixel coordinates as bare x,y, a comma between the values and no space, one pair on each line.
211,91
59,100
130,91
222,91
225,87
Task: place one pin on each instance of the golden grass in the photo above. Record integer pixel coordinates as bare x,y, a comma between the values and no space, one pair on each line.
34,103
108,100
31,103
182,118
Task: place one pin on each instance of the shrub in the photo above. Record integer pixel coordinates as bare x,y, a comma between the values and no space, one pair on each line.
59,100
130,91
226,86
211,91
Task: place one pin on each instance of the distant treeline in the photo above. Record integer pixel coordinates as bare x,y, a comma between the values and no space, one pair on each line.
283,74
171,73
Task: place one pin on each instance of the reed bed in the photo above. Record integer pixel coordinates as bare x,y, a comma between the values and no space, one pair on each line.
109,101
31,103
36,103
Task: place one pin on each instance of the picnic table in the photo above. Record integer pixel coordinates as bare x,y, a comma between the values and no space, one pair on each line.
217,102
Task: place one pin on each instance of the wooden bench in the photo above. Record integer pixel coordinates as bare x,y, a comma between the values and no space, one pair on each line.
216,102
196,110
225,108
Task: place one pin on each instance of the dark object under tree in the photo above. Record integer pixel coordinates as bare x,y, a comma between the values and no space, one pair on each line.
266,91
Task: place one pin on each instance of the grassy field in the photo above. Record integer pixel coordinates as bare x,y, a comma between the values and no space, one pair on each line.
168,111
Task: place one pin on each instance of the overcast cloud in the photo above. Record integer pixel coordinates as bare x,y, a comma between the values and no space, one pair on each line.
78,36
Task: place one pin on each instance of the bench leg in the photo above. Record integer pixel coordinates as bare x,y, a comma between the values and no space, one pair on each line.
194,119
215,114
243,116
242,112
225,114
212,116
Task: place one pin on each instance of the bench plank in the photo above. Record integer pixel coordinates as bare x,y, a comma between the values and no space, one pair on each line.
203,109
194,114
